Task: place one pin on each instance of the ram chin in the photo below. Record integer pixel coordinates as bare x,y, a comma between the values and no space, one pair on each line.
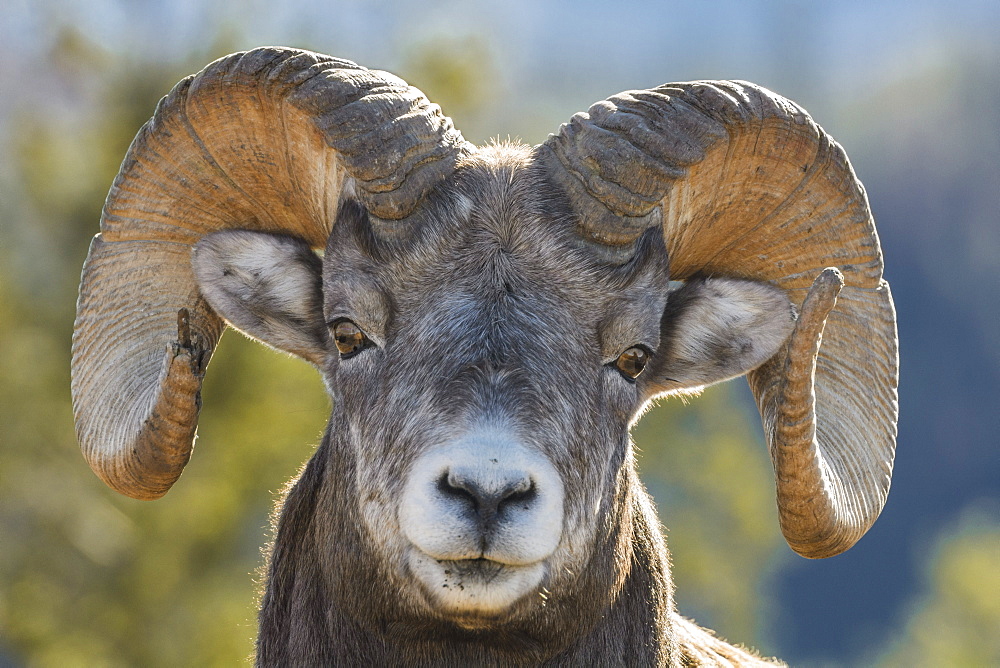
475,594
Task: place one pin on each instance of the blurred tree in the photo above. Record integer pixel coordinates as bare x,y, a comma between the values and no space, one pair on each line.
705,463
458,74
956,619
88,577
454,72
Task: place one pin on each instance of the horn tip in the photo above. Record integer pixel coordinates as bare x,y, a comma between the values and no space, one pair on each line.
830,278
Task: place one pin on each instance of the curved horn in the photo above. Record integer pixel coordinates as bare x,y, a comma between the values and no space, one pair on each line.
745,184
263,140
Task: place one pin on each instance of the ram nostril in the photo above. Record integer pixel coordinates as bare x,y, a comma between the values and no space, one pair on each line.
524,493
459,487
485,495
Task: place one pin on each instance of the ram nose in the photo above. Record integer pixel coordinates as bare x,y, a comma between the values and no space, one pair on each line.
486,495
489,493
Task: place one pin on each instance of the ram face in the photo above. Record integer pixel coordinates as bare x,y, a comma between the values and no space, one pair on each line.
489,321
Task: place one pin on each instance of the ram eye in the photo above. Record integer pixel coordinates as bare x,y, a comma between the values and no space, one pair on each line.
349,338
631,362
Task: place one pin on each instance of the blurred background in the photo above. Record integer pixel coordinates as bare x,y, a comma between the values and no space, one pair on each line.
912,91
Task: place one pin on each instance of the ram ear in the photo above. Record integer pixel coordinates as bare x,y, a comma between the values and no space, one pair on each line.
714,329
267,286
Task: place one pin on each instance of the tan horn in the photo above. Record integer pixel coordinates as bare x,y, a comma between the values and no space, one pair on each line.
745,184
264,140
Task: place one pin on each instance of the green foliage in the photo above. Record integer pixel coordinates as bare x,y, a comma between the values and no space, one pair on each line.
956,618
88,577
456,73
706,465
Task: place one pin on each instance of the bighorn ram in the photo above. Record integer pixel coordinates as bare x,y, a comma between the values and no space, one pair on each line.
488,321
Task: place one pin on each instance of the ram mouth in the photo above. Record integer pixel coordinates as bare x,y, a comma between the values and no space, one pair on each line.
482,570
473,592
